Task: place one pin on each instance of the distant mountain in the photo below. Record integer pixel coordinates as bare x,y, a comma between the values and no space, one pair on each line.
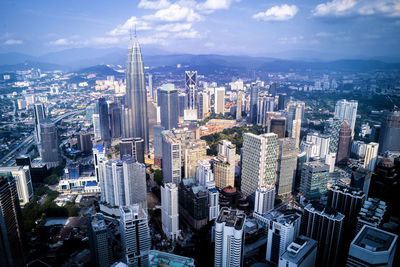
99,70
32,64
14,58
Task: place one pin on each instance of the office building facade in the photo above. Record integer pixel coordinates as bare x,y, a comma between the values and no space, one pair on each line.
287,164
347,111
171,158
49,149
371,156
169,106
22,177
169,210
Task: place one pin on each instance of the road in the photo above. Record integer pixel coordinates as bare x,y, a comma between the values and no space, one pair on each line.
9,159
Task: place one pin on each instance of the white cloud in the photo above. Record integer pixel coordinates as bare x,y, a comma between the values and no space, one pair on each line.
277,13
61,41
337,8
210,6
154,4
105,40
130,24
291,40
192,34
175,27
13,42
175,12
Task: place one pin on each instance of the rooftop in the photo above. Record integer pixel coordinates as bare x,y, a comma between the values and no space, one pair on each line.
159,258
299,249
374,239
231,218
286,217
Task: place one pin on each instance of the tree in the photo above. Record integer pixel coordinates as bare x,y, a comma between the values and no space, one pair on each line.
158,177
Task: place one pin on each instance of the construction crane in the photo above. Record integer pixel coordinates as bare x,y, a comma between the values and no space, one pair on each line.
395,107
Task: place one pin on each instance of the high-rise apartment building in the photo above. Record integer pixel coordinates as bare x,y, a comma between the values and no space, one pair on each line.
264,200
229,238
302,252
224,166
169,210
213,204
135,118
372,247
390,131
171,158
283,228
49,149
11,225
314,179
203,105
135,235
316,145
264,104
96,121
204,174
193,154
287,164
219,103
343,151
325,225
133,147
371,156
169,108
259,161
239,105
40,115
99,241
347,111
22,177
99,154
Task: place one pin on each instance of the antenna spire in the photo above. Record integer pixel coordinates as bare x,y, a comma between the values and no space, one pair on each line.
135,30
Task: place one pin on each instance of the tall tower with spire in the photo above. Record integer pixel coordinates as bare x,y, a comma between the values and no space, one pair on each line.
135,119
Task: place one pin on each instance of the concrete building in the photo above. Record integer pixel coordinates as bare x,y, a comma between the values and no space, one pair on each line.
229,238
372,247
264,104
115,120
371,156
287,164
254,91
302,252
39,113
361,179
169,106
169,210
239,106
160,258
219,103
99,241
171,158
193,154
133,147
105,130
264,200
358,148
213,204
325,225
343,151
224,165
135,236
390,131
85,142
278,126
12,233
332,127
371,213
22,177
319,147
157,144
347,111
204,174
259,161
203,105
191,88
49,149
330,160
99,155
314,179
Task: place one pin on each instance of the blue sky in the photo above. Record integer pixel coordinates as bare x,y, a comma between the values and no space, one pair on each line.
341,28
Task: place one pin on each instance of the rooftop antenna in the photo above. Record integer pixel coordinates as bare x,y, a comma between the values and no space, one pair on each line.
135,30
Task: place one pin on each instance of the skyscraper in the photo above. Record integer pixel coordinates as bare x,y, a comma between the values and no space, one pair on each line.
281,101
287,164
390,132
99,154
371,156
40,115
302,252
332,128
133,147
278,126
169,210
294,117
157,144
347,111
343,151
325,225
219,103
169,108
259,161
100,241
264,104
229,238
49,150
202,105
104,120
193,154
264,200
239,105
171,158
372,247
254,90
85,142
272,89
191,87
150,82
135,118
135,235
11,234
96,120
224,166
204,174
183,100
314,179
115,120
22,177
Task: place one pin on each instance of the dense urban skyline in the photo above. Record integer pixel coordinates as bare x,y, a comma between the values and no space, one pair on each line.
285,29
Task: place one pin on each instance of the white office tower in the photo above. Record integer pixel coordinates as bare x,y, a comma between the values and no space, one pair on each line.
40,116
347,111
283,228
204,175
302,252
371,156
219,101
316,145
239,105
96,125
264,104
259,161
295,111
22,176
358,148
287,165
135,236
203,105
229,238
135,182
330,160
264,200
372,247
169,210
213,204
99,155
171,158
